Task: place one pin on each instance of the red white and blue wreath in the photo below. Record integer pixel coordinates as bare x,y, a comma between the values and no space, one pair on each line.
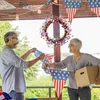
62,40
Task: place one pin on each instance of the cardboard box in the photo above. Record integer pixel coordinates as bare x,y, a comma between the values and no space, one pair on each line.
86,75
0,88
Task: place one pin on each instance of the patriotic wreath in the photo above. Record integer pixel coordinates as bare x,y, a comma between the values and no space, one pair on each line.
65,24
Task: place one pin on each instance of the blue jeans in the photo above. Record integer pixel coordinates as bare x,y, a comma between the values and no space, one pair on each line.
16,95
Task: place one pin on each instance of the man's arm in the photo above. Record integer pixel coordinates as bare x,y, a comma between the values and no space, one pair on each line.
9,57
32,62
28,53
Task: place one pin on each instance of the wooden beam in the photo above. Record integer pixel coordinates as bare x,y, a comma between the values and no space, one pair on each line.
18,3
83,12
56,31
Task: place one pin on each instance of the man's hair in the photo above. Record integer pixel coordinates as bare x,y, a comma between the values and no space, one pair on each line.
6,36
77,42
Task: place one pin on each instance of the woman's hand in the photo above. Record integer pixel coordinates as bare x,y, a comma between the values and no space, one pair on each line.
51,65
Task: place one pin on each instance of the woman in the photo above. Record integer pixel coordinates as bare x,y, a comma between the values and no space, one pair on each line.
72,63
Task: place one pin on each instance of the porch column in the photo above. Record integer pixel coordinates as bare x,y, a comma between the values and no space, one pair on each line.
56,34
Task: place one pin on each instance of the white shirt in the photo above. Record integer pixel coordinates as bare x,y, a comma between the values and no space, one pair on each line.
12,71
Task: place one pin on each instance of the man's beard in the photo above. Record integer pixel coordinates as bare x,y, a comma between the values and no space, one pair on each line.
15,43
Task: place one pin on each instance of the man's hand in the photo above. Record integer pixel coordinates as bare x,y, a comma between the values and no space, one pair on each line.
41,57
32,50
28,53
32,62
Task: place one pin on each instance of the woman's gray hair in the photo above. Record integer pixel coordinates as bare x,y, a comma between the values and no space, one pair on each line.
8,34
77,42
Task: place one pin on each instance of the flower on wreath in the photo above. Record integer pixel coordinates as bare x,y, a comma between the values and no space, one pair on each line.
62,40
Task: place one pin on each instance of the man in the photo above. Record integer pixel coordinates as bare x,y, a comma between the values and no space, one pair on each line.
74,62
12,70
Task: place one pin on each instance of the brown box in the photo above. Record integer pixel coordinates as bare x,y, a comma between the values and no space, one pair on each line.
86,75
0,88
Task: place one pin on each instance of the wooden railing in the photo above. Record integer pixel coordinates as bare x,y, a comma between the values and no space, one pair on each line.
49,91
45,99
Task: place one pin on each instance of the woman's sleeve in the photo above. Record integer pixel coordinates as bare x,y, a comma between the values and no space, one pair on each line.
93,60
62,64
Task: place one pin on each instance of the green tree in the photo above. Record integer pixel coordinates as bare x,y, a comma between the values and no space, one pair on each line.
6,26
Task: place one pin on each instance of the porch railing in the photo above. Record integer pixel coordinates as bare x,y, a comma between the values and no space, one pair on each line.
49,88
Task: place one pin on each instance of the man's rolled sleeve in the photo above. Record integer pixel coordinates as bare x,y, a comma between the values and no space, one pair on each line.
10,58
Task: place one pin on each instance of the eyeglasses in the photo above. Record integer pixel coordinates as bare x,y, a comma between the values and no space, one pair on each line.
15,38
71,45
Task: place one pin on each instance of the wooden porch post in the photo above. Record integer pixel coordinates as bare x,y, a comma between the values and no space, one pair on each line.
56,33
